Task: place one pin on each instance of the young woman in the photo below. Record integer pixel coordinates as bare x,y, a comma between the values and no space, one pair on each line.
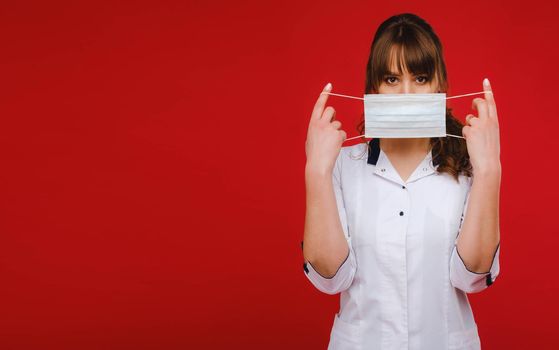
403,228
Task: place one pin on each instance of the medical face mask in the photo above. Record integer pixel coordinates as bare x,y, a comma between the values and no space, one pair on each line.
405,115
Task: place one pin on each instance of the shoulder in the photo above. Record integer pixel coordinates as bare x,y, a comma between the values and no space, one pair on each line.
351,158
465,181
357,152
460,188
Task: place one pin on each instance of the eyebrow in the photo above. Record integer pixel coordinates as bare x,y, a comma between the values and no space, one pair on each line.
398,74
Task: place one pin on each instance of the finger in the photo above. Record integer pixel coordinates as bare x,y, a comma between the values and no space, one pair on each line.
490,98
480,105
336,124
343,134
471,119
466,131
328,115
321,102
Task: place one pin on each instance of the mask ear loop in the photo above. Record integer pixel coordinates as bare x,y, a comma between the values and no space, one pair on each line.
448,98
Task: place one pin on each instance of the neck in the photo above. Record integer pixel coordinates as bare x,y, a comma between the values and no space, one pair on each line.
405,145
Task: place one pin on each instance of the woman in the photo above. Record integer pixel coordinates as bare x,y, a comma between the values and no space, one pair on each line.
387,222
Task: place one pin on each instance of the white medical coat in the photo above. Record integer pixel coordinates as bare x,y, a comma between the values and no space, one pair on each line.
403,284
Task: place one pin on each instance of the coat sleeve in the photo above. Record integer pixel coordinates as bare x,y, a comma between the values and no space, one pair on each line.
345,273
464,279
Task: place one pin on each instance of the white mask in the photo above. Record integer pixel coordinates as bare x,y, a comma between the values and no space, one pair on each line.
405,115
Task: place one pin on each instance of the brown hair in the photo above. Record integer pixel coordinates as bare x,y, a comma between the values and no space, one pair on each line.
419,51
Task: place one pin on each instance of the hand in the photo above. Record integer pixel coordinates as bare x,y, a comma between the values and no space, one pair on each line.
324,136
482,133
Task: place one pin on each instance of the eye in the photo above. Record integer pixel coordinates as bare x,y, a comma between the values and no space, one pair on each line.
422,79
390,80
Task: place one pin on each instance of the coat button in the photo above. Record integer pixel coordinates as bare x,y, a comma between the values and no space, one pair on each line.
401,213
404,187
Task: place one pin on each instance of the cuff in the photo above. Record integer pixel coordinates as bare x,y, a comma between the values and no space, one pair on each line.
339,282
470,281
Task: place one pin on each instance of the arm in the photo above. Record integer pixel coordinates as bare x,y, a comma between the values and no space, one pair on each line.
462,274
325,246
479,237
329,261
476,254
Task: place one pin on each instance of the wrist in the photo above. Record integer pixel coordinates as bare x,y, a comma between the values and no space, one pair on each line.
316,170
491,170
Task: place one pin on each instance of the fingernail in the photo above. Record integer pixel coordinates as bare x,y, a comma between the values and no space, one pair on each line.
486,82
328,86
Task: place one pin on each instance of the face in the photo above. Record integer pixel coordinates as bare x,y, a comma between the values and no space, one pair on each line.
406,82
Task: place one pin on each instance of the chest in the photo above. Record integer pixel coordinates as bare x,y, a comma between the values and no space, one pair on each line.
380,211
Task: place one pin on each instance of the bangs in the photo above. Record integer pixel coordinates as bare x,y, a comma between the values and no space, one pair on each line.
407,50
411,59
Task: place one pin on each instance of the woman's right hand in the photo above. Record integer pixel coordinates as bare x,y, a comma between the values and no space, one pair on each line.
324,136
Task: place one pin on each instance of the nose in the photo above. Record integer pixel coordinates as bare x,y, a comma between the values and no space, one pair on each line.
406,88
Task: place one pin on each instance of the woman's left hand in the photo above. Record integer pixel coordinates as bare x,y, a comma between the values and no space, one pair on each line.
482,133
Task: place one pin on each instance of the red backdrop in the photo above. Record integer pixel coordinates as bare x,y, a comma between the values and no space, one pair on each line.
152,166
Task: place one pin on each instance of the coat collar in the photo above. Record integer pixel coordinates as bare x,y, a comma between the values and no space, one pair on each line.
384,168
375,152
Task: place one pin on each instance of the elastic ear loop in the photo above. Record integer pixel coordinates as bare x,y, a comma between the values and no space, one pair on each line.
448,98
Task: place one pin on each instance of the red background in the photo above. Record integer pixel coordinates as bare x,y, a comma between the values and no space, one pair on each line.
152,161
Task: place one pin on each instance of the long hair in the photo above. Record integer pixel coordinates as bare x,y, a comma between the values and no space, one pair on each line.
419,51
